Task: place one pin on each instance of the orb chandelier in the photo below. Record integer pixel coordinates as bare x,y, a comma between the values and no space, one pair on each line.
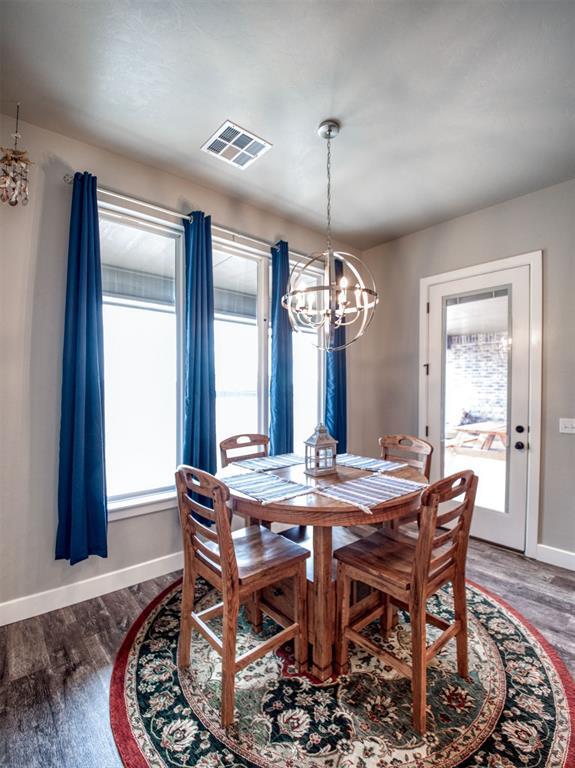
331,292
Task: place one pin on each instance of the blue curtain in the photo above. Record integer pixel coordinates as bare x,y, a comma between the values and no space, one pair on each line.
82,511
281,380
199,443
336,385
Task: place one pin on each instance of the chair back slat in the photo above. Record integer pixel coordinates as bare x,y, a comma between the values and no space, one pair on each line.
443,518
191,483
441,539
213,555
236,448
439,549
413,451
199,528
438,563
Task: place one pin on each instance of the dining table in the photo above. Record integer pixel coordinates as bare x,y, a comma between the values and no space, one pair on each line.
321,524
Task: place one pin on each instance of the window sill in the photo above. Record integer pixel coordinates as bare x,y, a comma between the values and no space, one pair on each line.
141,505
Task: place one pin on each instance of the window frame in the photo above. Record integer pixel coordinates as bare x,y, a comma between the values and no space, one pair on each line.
162,500
155,500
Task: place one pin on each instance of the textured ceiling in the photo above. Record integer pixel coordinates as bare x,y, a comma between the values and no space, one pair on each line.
446,106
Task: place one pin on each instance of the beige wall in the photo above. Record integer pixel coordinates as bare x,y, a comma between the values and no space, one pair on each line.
384,370
32,293
383,366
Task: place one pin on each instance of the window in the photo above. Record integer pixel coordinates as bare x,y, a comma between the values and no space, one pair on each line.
238,329
242,351
307,394
142,265
139,263
236,341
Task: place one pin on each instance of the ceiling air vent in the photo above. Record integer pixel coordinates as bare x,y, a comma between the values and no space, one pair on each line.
235,145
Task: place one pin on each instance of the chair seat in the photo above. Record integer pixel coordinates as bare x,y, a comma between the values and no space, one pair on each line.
259,550
388,556
382,557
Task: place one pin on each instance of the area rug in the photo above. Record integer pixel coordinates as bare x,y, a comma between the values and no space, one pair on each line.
513,711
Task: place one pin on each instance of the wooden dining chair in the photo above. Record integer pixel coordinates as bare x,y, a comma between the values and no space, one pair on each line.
229,454
238,565
406,576
412,451
409,450
234,448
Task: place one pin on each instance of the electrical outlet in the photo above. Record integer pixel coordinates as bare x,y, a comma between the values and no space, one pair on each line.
567,426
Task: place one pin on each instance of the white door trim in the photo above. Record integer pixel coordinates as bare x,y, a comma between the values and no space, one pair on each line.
534,261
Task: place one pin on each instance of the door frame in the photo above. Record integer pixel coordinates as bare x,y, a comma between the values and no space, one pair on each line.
534,261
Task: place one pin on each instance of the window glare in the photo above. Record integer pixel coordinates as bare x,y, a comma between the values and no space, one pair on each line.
140,355
236,357
140,399
305,388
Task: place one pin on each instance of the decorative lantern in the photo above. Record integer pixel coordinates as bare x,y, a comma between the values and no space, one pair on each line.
14,171
320,450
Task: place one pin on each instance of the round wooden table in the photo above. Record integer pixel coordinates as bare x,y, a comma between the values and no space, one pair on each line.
330,522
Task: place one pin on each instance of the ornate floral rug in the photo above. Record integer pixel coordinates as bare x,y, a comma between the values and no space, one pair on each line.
513,711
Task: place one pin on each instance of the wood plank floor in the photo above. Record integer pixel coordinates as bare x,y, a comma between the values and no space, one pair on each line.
55,669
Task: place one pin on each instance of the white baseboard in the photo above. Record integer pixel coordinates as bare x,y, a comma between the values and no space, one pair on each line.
42,602
561,557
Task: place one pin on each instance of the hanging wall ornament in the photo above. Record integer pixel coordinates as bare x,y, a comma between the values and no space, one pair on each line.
14,171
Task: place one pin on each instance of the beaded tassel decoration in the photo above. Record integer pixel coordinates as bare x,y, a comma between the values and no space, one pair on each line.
14,171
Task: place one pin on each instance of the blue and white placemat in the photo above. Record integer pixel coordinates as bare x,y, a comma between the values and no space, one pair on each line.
265,463
266,487
371,490
365,462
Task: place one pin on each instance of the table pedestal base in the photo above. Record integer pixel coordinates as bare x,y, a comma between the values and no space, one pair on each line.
321,592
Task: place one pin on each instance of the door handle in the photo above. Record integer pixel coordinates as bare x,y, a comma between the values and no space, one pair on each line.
519,445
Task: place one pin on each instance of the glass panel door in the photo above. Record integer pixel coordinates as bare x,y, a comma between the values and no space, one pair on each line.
476,390
478,394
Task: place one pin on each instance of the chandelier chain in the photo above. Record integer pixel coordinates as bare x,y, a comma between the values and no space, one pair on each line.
345,299
17,135
329,247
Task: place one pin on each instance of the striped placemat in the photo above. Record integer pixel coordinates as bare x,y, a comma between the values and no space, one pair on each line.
266,487
365,462
369,491
265,463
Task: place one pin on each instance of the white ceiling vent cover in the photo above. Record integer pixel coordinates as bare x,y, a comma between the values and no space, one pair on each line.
235,145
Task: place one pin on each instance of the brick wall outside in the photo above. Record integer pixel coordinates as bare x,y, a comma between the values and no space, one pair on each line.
476,377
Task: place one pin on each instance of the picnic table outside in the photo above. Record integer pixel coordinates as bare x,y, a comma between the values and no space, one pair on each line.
486,431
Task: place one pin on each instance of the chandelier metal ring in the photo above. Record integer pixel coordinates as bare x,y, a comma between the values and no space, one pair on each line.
318,300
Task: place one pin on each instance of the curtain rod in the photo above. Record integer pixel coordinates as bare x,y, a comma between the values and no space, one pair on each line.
69,178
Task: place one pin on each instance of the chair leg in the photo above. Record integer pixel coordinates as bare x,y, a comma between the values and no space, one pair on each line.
230,628
254,612
343,582
388,618
460,606
300,613
419,666
188,590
